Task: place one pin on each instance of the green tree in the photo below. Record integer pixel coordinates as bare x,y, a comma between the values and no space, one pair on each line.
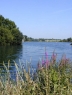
17,36
69,39
9,33
5,36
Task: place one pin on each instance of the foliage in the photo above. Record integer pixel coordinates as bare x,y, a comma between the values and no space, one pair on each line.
26,38
17,36
9,33
50,78
66,40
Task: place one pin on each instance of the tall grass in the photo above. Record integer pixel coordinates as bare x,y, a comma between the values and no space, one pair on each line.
50,78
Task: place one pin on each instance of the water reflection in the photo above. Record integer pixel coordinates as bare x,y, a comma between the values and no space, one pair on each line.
9,53
12,53
33,50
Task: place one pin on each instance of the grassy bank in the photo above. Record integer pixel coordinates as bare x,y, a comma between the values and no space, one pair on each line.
50,78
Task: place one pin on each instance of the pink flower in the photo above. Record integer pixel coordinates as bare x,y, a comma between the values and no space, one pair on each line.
43,62
38,65
54,56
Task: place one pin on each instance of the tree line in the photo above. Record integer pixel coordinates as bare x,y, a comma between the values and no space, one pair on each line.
66,40
26,38
9,32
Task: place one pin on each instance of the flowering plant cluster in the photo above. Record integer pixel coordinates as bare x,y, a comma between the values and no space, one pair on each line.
50,78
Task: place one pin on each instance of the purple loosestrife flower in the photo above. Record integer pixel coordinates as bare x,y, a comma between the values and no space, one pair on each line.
46,55
67,60
39,65
46,61
54,56
43,62
64,60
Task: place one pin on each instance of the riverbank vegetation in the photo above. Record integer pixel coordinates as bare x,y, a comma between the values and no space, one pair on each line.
66,40
40,39
9,32
50,78
47,40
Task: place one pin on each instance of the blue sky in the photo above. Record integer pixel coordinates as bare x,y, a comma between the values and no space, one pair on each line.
40,18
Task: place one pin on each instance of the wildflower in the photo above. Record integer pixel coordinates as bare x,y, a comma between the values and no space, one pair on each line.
38,65
46,61
46,55
54,56
64,59
43,62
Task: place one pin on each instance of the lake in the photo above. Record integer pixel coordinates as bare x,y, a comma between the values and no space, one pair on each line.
33,51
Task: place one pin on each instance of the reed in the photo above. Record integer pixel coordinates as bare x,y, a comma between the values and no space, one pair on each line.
50,78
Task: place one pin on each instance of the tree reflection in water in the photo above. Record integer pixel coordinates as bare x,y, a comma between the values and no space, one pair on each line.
11,53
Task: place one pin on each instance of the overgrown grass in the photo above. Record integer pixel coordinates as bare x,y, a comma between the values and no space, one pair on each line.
50,78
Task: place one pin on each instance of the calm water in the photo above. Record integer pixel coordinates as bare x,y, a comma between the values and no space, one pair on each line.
34,51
